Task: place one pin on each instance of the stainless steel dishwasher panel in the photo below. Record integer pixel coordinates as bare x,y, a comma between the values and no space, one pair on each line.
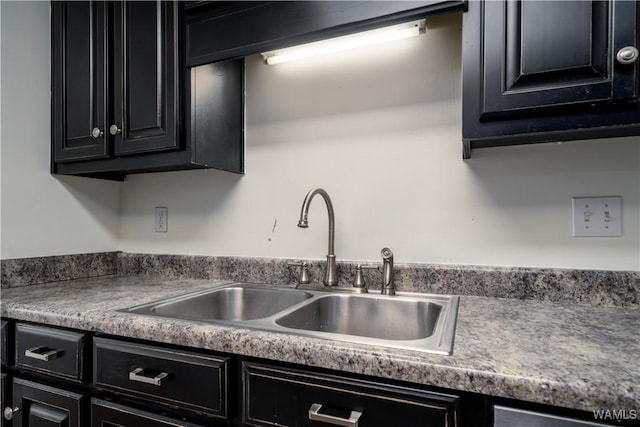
512,417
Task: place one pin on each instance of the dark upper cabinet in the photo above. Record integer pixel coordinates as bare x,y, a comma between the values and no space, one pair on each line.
540,71
145,80
225,30
128,106
122,101
555,53
79,103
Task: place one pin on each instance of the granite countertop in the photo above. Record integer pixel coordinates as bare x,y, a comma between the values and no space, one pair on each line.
568,355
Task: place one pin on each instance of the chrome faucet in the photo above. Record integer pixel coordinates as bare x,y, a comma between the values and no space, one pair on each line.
330,274
388,284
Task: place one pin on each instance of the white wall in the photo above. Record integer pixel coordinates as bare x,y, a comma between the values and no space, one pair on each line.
42,215
380,130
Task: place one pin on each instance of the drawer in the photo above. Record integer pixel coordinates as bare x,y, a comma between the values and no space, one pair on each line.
176,378
51,351
105,413
281,396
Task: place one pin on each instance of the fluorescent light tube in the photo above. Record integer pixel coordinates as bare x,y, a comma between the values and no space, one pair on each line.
340,44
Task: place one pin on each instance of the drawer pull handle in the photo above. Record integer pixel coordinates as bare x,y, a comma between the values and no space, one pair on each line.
42,353
315,415
138,375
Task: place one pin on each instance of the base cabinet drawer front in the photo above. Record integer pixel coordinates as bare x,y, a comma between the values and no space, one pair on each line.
51,351
41,405
176,378
288,397
109,414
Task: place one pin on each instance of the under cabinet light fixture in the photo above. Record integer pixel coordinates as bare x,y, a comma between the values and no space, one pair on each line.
340,44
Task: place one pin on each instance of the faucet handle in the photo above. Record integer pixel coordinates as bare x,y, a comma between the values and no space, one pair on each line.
303,279
359,282
388,283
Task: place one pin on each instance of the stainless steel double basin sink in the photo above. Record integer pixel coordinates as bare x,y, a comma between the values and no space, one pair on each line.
421,322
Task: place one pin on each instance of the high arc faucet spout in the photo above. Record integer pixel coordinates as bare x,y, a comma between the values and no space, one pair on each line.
330,275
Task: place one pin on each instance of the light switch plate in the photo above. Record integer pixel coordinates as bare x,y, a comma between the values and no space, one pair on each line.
161,219
597,216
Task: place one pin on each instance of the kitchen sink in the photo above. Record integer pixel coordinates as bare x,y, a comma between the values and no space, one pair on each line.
367,316
420,322
236,303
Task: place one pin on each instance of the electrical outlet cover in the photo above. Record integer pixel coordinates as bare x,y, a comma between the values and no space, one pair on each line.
597,216
161,219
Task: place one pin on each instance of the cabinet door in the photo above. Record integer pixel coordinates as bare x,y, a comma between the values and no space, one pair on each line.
543,54
5,398
541,71
79,80
44,406
145,77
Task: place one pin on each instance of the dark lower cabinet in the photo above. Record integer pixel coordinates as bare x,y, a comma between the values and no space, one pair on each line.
537,71
142,384
283,396
193,381
40,405
51,351
6,344
109,414
5,396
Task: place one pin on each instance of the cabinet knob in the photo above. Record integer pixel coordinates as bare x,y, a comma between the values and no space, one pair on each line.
115,130
627,55
10,412
96,133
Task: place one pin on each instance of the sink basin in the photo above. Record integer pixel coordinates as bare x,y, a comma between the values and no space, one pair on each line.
366,316
236,303
408,321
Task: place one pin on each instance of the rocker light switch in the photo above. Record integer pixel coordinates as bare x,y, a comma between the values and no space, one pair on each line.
597,216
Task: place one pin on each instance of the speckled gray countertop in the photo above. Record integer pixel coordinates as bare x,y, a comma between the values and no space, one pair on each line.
569,355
